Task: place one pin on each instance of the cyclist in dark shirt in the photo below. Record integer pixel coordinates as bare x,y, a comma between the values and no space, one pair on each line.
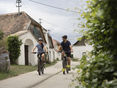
67,48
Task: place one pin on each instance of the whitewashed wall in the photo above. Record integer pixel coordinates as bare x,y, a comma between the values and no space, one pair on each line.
78,50
51,55
50,51
57,55
27,39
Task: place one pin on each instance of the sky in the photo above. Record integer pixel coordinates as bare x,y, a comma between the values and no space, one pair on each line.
57,21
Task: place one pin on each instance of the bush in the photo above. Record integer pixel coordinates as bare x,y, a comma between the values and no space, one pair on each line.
101,70
96,72
13,44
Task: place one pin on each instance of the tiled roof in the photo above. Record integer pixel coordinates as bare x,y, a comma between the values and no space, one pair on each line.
55,42
19,33
12,23
80,43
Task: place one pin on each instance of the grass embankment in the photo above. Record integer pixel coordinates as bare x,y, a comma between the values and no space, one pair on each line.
16,70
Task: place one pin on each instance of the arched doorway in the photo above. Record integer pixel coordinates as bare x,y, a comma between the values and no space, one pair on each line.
28,46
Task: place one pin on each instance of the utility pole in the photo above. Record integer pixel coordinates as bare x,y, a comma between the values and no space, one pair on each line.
18,5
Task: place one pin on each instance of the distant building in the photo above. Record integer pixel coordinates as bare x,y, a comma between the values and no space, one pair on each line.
49,45
56,46
28,30
81,47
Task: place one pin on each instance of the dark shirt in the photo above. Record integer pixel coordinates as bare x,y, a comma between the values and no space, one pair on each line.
66,46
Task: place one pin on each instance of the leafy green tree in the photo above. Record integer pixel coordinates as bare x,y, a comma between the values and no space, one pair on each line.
13,44
101,70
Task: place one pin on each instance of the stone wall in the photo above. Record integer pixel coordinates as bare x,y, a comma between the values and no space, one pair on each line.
4,60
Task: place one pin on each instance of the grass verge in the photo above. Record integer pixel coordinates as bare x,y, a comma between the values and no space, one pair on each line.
16,70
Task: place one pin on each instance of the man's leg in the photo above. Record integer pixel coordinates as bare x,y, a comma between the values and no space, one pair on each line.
69,61
69,58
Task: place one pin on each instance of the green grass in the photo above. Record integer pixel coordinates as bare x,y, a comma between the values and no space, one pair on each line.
16,70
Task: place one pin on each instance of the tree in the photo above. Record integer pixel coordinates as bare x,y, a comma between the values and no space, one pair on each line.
13,44
101,70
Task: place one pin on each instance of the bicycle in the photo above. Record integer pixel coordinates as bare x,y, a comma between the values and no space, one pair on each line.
41,65
65,64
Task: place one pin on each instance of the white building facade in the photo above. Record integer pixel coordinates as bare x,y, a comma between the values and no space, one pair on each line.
28,31
49,46
28,42
56,46
80,48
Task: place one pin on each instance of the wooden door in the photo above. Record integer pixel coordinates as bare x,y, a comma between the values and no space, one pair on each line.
26,55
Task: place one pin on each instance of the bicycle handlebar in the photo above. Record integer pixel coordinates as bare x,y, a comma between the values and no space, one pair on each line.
37,52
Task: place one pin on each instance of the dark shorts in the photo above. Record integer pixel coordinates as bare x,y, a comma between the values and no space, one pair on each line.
39,54
68,54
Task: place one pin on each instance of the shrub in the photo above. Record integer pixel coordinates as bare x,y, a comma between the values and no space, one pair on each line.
101,70
13,44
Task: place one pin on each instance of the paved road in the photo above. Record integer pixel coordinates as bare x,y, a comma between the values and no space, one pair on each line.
53,78
58,81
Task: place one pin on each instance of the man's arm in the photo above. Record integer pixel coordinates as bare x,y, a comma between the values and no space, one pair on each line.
70,46
59,48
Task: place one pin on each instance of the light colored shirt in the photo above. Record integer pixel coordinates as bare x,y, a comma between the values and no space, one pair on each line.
40,48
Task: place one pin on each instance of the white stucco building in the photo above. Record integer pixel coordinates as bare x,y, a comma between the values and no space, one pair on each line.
28,30
56,46
80,48
28,42
49,45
